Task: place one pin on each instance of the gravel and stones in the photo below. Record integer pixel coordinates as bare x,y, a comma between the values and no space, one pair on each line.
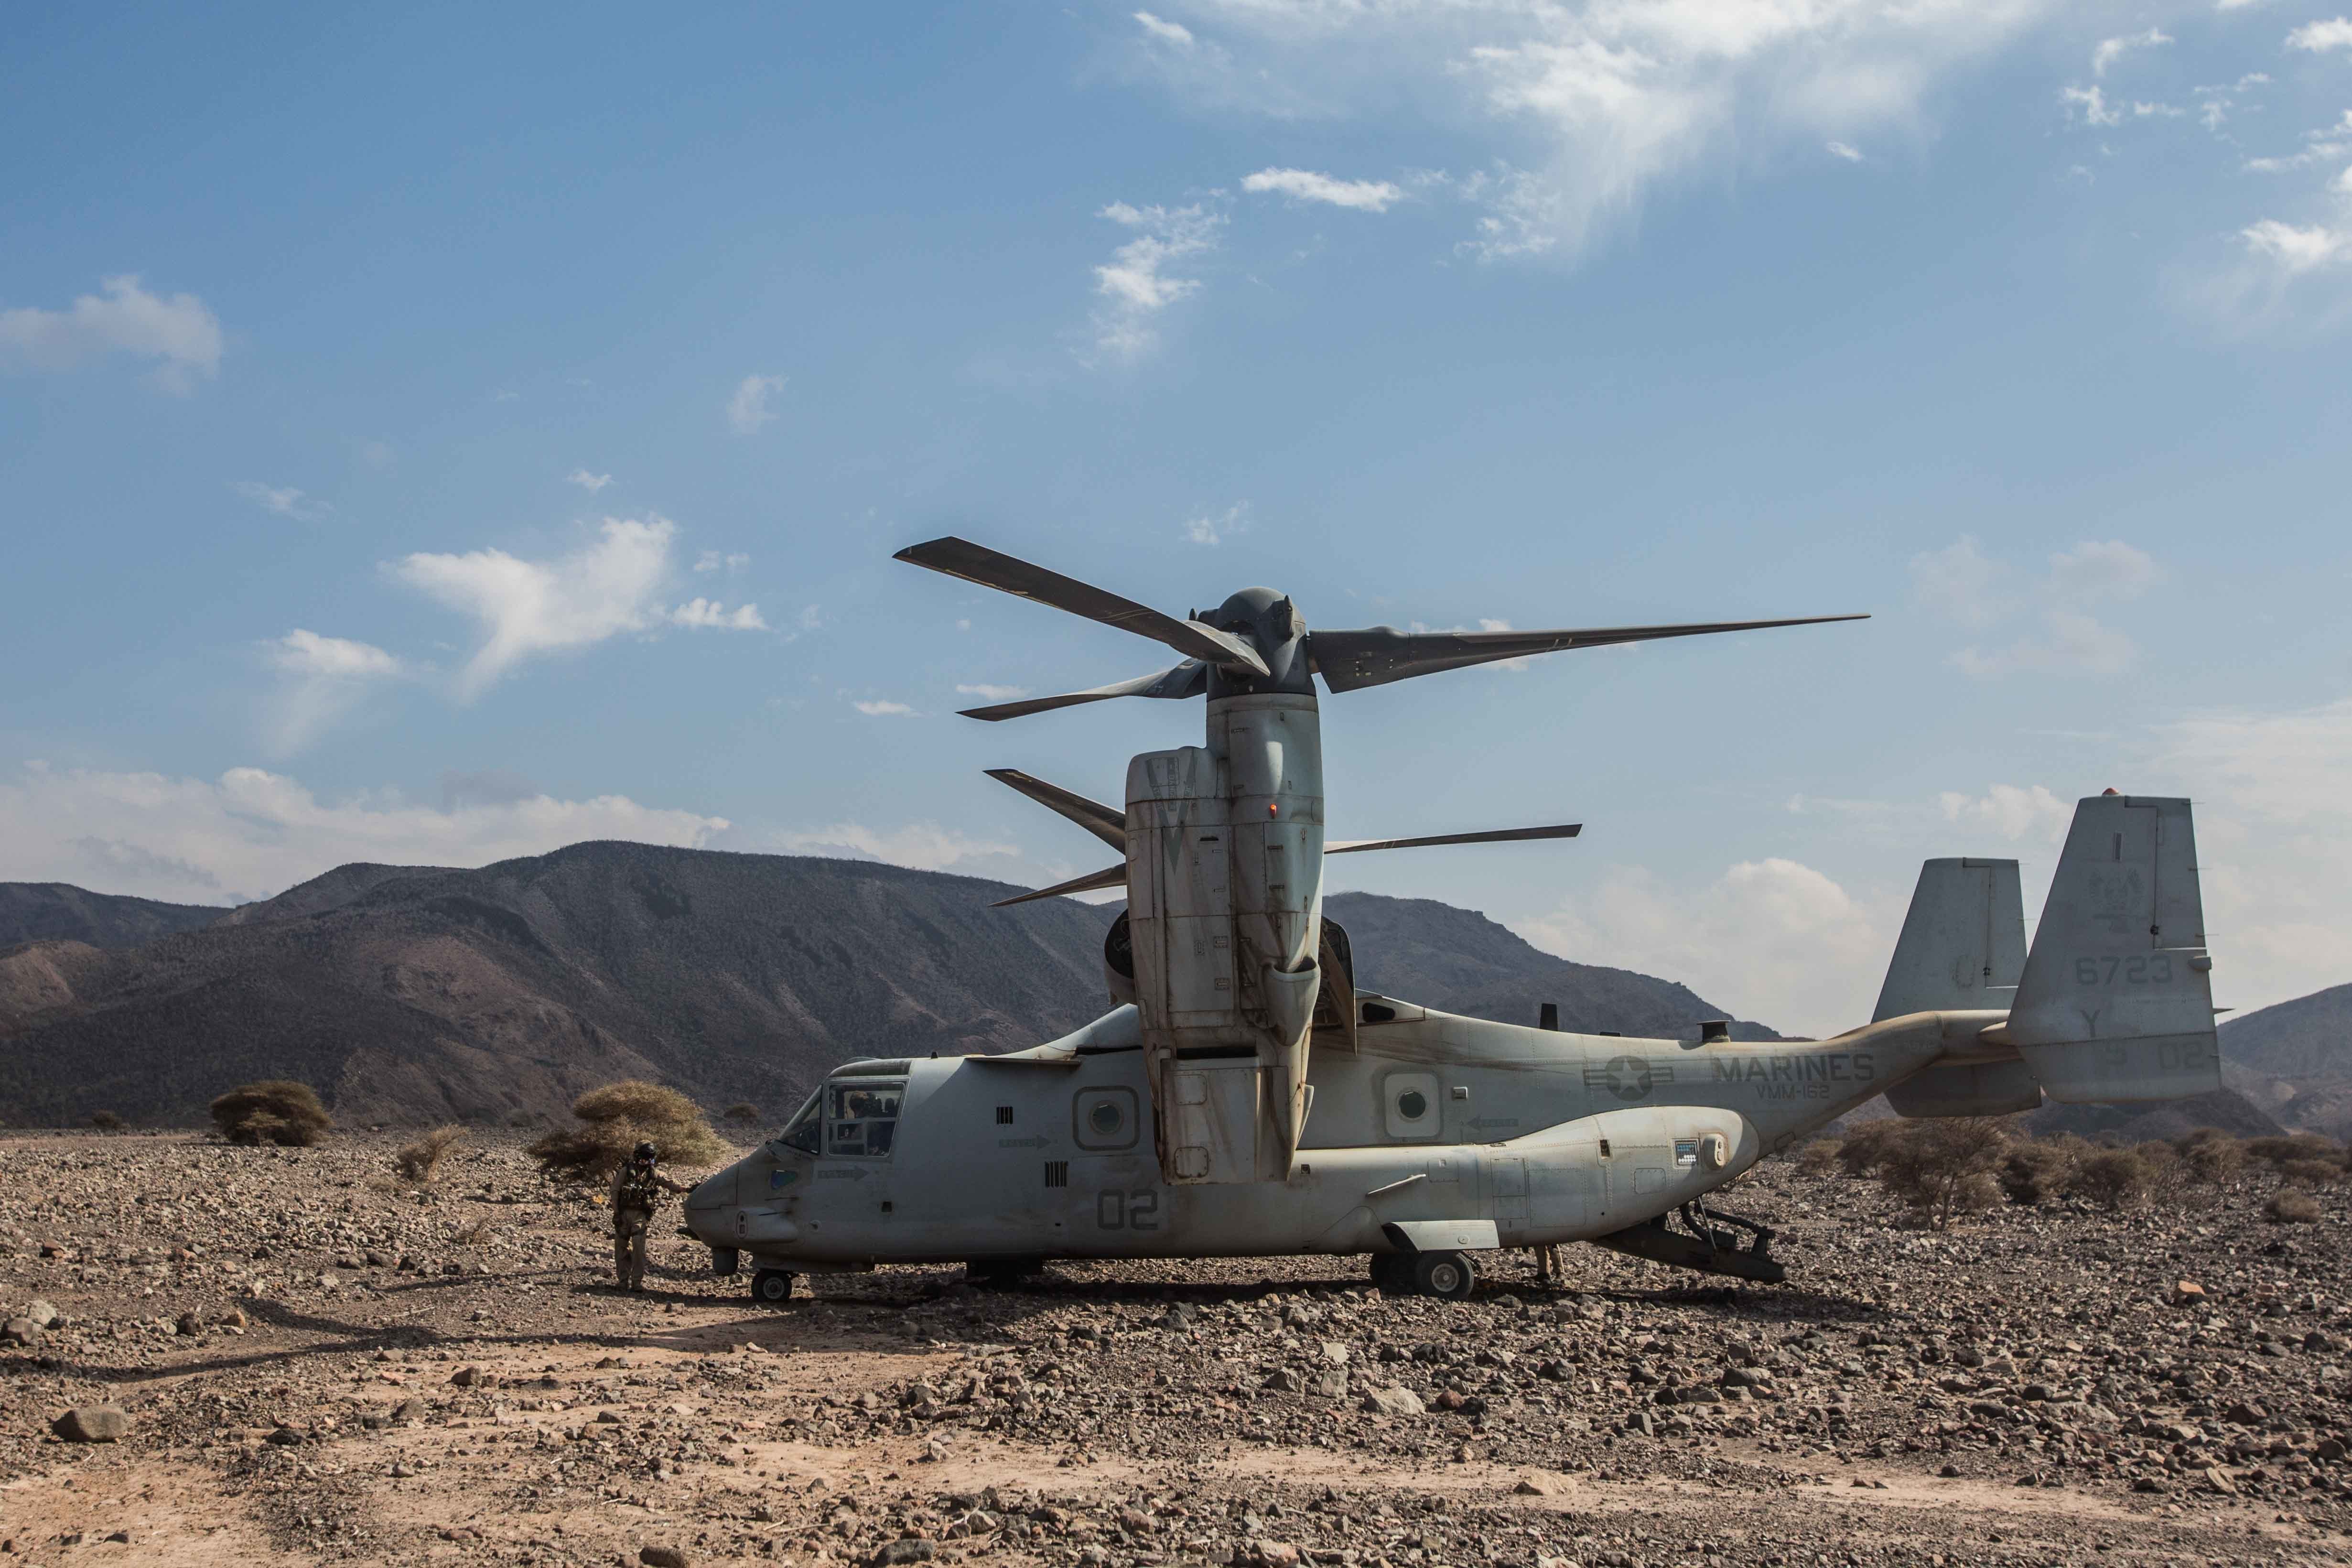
308,1360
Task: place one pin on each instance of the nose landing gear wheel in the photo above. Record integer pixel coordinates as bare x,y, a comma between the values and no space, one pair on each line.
771,1285
1448,1275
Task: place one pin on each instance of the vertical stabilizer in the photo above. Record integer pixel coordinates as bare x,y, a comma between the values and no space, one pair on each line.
1963,942
2117,1002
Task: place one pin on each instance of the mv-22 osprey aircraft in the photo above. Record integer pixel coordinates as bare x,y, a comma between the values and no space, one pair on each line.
1244,1097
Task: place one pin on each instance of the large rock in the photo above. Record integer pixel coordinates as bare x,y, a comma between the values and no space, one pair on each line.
1397,1400
92,1424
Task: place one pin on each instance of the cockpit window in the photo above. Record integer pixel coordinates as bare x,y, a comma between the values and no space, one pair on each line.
806,1127
861,1117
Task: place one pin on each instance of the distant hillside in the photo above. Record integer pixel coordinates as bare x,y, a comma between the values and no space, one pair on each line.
1458,959
58,912
344,884
513,988
413,995
2309,1037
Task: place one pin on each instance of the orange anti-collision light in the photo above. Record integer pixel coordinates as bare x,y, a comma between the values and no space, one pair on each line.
1271,808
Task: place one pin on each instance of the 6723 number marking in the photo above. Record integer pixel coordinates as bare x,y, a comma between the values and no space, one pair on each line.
2154,968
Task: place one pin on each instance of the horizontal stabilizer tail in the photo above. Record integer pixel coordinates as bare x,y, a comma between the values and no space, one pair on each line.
2117,1002
1966,1088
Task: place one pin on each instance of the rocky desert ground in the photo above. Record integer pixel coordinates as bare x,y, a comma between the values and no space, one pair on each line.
313,1366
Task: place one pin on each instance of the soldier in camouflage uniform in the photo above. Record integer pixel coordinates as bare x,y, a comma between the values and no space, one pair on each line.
638,1188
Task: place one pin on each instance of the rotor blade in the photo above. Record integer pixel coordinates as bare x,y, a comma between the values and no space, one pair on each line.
1108,877
1189,679
1378,655
1500,836
1107,823
992,569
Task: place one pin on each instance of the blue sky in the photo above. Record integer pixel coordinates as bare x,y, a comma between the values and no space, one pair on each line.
440,435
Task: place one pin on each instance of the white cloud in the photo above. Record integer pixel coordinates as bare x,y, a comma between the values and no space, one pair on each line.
1966,586
2112,49
283,500
880,709
2012,811
988,693
300,652
712,560
1214,528
1771,939
325,677
2320,36
1841,150
923,845
251,833
2102,568
710,615
2296,250
1962,582
1164,31
587,481
1605,101
2273,850
611,586
179,332
1134,286
2092,102
748,409
2070,643
1522,214
1306,185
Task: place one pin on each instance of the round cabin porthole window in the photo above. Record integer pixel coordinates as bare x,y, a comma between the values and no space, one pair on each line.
1106,1118
1413,1105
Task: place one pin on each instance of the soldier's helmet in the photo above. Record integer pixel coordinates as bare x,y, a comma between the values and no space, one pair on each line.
645,1152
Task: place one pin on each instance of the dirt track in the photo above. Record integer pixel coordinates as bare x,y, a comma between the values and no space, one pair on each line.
1176,1412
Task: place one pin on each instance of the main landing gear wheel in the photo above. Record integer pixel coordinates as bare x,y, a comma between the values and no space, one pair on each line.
1448,1275
1392,1273
771,1285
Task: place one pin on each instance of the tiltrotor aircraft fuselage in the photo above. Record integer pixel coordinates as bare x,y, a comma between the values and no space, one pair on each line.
1244,1097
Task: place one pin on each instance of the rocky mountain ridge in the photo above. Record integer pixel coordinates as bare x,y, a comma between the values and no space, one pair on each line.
422,994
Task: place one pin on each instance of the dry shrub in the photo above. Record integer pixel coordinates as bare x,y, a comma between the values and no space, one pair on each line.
2167,1171
1864,1150
615,1119
2291,1206
417,1163
1819,1157
276,1110
1945,1165
2296,1146
2041,1169
742,1110
2212,1156
2311,1172
106,1121
2115,1179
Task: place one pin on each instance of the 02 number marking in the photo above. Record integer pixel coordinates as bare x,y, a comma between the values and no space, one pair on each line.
1138,1210
2155,969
